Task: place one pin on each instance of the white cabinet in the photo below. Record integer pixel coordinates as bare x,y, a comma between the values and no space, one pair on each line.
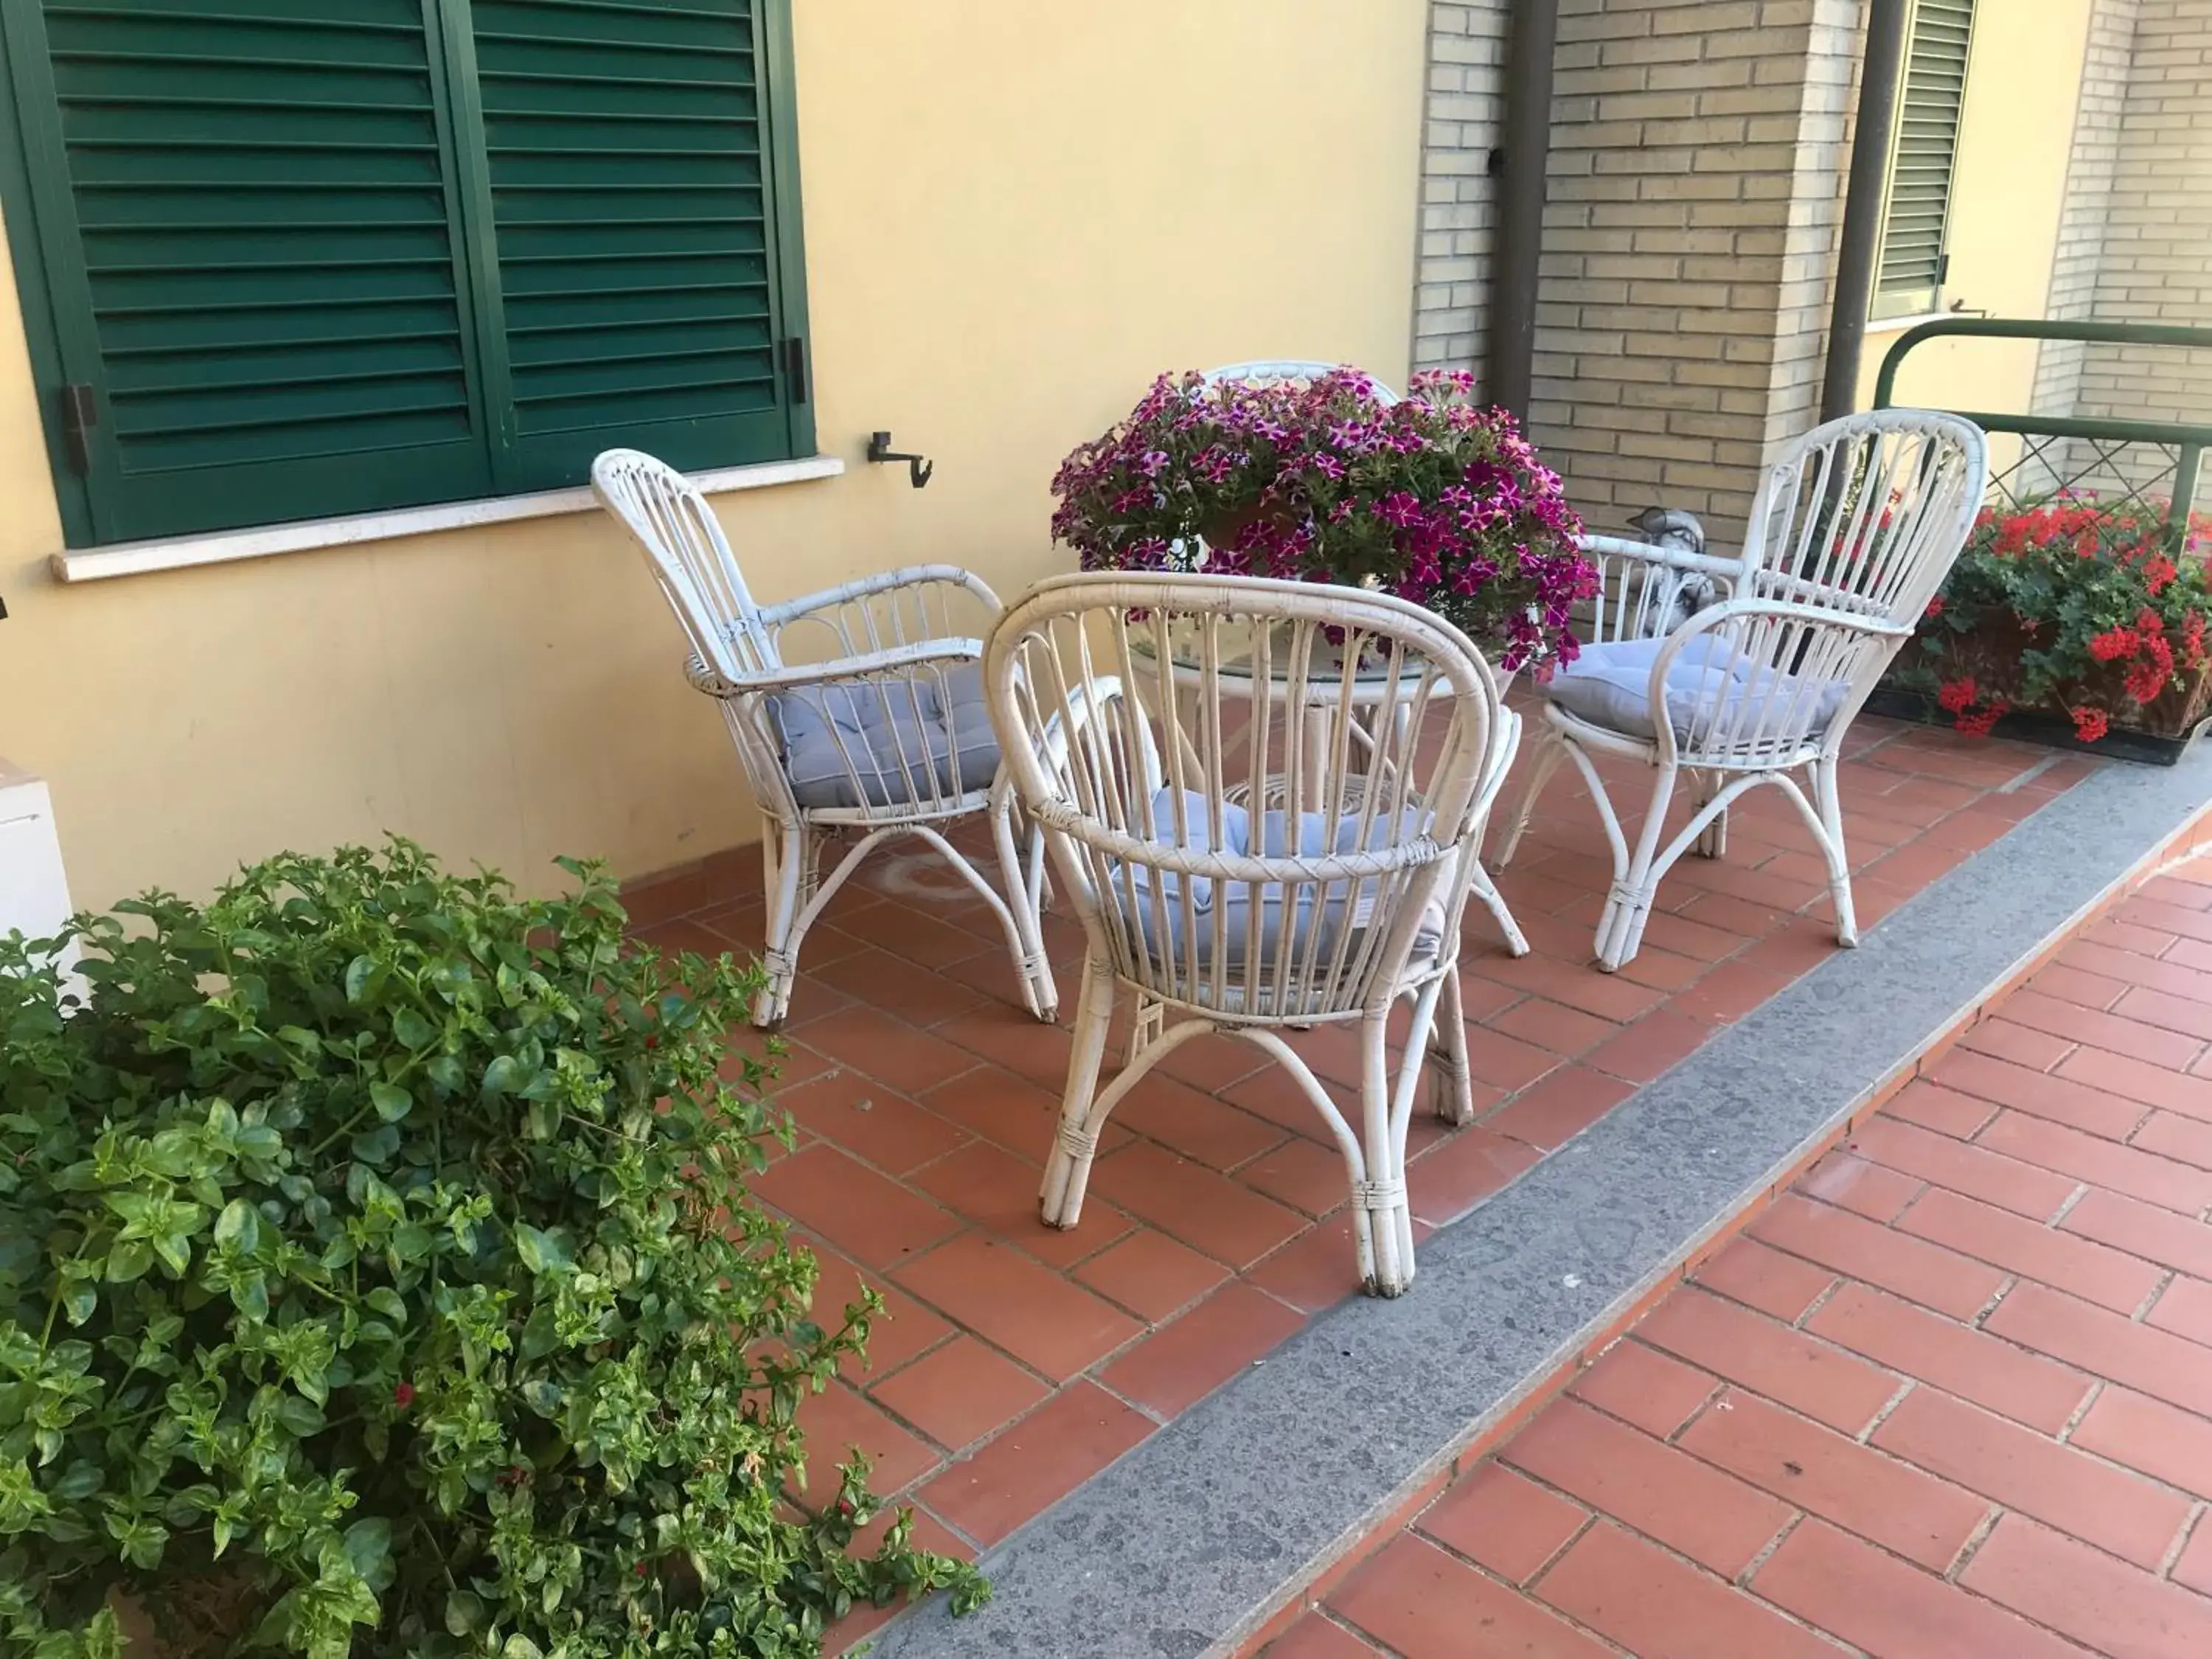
33,890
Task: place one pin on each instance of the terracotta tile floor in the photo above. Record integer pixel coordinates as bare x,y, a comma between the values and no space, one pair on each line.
1017,1360
1951,1397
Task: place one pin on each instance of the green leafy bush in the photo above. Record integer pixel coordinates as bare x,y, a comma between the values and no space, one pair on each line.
376,1278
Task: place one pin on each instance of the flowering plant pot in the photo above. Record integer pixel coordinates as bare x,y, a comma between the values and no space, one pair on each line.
2072,611
1429,498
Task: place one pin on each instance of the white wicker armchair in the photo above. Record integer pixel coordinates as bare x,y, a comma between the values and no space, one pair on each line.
878,732
1203,891
1746,672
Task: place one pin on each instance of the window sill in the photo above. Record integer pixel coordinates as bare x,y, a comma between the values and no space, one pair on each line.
184,552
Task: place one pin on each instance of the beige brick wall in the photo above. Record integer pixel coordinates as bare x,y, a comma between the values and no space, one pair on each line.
2157,257
1698,150
1464,104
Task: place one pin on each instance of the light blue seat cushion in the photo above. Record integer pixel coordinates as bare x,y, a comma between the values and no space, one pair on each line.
888,742
1174,924
1709,690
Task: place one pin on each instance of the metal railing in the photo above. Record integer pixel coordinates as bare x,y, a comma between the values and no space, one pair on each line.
2155,463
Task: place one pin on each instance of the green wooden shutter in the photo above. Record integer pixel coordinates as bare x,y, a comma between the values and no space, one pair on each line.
250,243
1909,275
627,208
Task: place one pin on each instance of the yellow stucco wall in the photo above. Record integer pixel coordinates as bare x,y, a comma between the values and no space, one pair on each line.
1015,214
2016,136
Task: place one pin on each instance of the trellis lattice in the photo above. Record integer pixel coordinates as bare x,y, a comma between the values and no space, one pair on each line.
2138,469
2112,471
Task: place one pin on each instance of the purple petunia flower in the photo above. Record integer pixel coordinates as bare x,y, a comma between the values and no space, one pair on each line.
1431,497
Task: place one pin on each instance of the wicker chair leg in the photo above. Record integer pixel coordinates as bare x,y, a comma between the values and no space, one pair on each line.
1713,842
1382,1219
1068,1172
1517,943
1550,751
1831,804
1628,907
787,869
1038,989
1454,1086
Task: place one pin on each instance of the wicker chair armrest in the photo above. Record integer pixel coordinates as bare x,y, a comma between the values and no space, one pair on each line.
917,576
1780,610
867,665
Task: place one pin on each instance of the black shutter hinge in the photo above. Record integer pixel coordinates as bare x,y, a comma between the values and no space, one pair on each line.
79,414
794,367
1942,270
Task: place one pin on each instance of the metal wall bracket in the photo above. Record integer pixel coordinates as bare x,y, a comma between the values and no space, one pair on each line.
918,467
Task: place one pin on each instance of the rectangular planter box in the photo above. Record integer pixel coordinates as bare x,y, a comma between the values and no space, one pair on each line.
2052,731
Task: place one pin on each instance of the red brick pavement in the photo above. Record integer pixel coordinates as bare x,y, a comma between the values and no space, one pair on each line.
1950,1398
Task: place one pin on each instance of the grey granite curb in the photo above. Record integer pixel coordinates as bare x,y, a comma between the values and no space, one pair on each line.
1189,1542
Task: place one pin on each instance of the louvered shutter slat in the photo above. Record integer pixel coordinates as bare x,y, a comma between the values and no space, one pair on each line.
250,237
628,175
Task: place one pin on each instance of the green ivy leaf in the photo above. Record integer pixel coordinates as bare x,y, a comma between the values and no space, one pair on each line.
378,1146
249,1296
175,1251
464,1613
506,1075
127,1260
539,1251
79,1299
391,1101
387,1302
304,1043
239,1227
368,1547
543,1397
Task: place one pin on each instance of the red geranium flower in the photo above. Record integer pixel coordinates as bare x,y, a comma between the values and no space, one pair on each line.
403,1395
2115,643
2090,724
2159,574
1935,608
2148,676
1981,723
1957,695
